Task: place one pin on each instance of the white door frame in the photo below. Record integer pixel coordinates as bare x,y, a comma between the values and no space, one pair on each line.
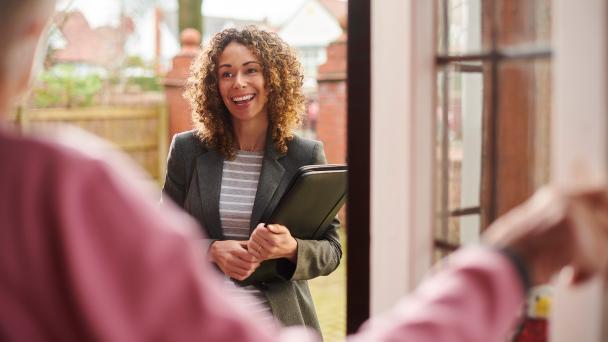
579,142
402,147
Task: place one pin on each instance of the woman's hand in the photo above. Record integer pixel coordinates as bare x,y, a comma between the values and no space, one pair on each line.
233,258
272,242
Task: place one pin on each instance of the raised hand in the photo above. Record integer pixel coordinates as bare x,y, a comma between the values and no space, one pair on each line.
557,228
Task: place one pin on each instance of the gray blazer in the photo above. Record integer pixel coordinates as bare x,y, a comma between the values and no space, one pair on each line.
193,180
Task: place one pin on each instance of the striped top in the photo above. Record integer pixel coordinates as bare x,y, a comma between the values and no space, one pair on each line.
239,185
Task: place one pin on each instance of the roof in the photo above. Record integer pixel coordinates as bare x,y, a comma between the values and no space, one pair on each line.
212,24
101,46
338,9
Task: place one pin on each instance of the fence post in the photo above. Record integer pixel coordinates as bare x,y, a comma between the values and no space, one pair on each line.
179,110
163,129
22,119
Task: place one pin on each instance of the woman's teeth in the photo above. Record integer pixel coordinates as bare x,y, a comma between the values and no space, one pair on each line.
243,98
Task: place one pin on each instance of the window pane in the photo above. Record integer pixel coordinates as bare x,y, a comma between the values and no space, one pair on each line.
523,22
458,149
464,26
464,126
523,120
461,230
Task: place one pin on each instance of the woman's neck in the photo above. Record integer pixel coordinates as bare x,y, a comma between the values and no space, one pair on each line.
251,136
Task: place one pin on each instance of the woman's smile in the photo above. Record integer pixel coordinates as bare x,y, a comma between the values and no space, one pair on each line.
243,100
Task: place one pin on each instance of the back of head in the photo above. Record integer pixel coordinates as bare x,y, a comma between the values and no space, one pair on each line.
14,19
21,22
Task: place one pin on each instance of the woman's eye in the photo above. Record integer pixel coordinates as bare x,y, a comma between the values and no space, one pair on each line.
252,70
226,74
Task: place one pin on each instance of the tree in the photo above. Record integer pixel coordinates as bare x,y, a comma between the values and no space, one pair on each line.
190,15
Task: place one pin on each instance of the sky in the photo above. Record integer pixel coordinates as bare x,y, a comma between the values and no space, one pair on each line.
275,10
141,42
106,12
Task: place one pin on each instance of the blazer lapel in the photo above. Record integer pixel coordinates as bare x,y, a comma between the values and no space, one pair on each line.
270,177
209,169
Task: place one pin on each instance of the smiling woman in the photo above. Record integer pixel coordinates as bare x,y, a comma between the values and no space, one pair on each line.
243,91
282,81
232,169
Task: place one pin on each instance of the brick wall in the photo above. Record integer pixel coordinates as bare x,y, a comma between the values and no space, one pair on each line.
331,124
179,109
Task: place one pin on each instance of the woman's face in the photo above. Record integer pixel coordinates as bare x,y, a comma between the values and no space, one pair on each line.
241,83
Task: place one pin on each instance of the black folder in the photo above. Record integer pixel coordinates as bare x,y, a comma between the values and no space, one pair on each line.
312,200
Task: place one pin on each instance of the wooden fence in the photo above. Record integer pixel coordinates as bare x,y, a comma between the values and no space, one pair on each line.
139,131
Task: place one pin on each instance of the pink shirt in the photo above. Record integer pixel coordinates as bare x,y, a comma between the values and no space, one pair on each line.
84,256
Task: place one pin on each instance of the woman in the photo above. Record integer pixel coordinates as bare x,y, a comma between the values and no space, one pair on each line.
232,169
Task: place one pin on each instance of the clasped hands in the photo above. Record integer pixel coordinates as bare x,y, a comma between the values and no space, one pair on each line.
239,259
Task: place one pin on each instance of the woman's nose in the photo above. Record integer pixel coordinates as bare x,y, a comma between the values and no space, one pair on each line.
239,81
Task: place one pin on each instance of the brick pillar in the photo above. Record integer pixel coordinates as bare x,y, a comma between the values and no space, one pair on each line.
331,124
179,109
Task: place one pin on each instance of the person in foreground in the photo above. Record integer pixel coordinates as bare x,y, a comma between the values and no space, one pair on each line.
229,173
83,256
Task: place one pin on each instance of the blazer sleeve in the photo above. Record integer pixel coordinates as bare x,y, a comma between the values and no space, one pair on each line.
315,257
176,181
175,178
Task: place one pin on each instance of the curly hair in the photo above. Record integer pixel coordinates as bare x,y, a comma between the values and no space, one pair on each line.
283,79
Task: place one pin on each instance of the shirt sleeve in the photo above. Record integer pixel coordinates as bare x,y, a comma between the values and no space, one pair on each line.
475,298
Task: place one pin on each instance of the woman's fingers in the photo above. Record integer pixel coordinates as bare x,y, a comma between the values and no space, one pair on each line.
245,255
277,229
239,269
263,238
233,258
254,249
271,241
260,248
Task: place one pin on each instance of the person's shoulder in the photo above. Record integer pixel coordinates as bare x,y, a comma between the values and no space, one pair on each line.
303,144
68,154
44,165
189,142
306,151
187,136
35,152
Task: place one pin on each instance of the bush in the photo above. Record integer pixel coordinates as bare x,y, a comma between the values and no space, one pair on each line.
67,85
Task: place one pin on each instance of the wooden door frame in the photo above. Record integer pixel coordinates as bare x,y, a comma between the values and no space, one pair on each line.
358,157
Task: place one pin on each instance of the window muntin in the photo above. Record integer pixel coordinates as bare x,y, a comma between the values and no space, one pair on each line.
493,112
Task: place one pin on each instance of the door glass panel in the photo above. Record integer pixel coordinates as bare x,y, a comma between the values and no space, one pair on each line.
464,124
523,23
523,137
463,20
